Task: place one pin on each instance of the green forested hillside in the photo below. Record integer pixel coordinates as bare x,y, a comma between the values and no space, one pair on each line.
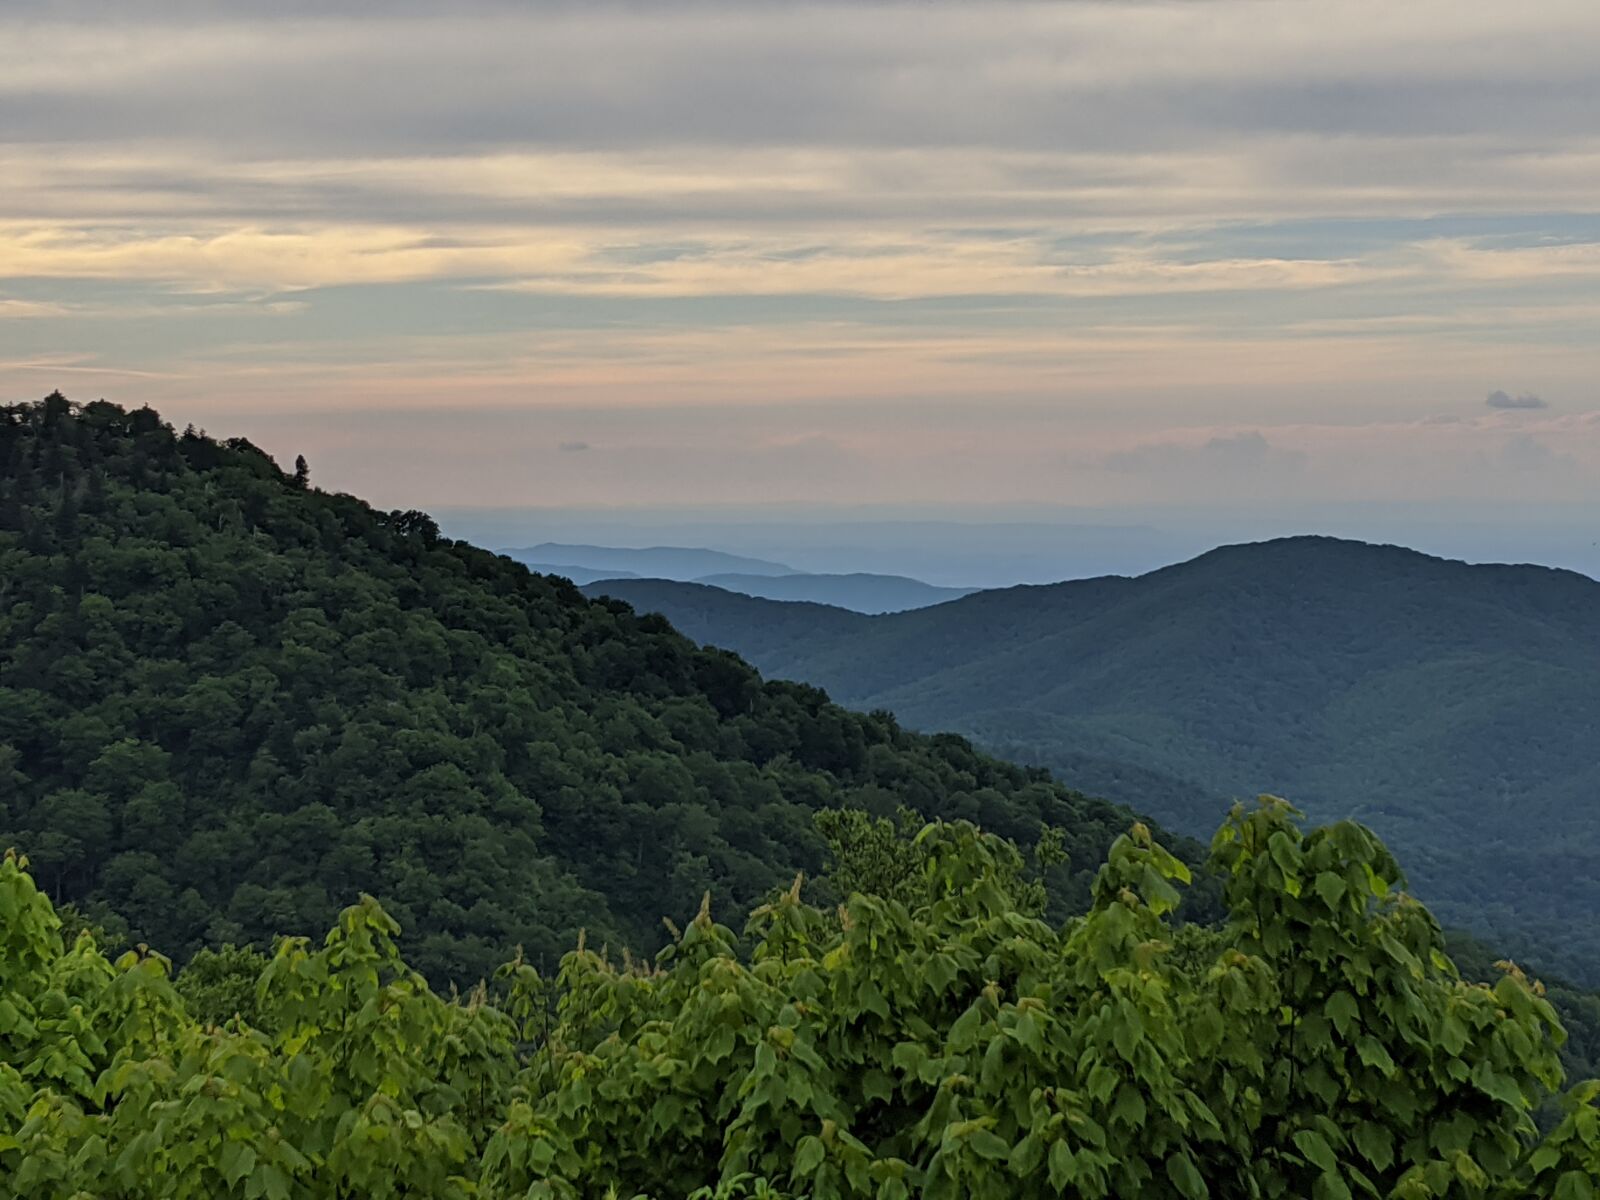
1454,708
230,703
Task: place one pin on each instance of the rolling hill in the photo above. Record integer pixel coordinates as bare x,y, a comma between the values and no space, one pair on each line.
1454,708
231,702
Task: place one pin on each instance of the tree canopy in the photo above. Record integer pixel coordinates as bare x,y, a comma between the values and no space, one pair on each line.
941,1041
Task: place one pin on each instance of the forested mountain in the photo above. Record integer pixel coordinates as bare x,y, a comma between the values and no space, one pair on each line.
1454,708
230,702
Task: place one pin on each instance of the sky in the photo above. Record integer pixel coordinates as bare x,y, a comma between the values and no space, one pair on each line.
1285,256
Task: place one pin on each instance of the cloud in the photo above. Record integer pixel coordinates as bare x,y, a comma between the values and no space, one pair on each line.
802,74
22,310
1499,399
1524,453
1169,228
574,447
1247,452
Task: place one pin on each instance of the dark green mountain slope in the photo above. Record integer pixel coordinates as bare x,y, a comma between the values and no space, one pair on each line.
785,635
230,702
787,639
1454,708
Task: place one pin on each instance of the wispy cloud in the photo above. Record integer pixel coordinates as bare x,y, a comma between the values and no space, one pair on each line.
1247,451
1520,452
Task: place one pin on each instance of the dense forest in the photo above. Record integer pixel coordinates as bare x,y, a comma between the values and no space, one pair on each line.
229,702
1453,708
931,1037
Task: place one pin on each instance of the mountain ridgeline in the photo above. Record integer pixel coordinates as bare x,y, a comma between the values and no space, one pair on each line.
1453,708
231,702
859,591
651,562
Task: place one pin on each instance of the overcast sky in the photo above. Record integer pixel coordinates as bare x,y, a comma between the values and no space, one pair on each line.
1214,251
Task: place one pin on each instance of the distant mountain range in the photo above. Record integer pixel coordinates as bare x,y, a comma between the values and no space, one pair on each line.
858,591
653,562
578,575
1454,708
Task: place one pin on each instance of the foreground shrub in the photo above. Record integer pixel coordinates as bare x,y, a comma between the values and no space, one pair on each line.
936,1041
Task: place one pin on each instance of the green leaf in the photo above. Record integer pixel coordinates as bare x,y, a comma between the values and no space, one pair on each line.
1026,1154
236,1160
1130,1107
989,1145
1374,1055
808,1155
1185,1177
1330,887
273,1181
1492,1083
1063,1165
1316,1149
1376,1144
1343,1011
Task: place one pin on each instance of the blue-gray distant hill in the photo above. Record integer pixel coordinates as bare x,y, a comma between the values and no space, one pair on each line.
578,575
650,562
860,592
1454,708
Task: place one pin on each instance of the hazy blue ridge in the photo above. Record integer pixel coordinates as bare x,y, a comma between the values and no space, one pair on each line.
859,591
578,575
651,562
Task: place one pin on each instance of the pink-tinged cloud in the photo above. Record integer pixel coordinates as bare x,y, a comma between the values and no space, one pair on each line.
1075,253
